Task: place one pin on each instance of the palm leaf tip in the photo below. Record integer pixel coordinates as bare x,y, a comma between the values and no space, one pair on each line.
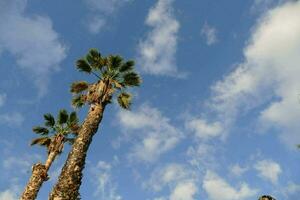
79,86
128,66
62,116
78,101
115,61
83,66
132,79
40,130
43,141
124,100
49,120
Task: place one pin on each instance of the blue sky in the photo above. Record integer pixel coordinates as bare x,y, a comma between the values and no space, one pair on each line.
217,116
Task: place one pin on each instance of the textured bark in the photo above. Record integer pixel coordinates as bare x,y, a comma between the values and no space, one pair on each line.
67,187
39,175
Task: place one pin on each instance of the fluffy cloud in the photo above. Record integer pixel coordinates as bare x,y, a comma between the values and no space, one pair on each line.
8,195
11,119
179,178
204,130
210,34
32,40
217,188
237,170
106,189
156,133
100,11
2,99
268,170
268,76
157,51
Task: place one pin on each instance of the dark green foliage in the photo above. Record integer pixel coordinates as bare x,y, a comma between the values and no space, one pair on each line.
124,100
132,79
79,86
43,141
128,66
40,130
83,66
49,120
78,101
62,116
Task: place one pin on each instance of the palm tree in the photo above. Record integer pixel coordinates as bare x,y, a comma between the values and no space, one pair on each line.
266,197
114,77
52,136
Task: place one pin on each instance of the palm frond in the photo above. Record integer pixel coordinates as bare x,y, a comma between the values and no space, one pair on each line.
132,79
124,100
127,66
78,101
298,146
49,120
94,59
62,116
83,66
79,86
115,61
43,141
73,119
40,130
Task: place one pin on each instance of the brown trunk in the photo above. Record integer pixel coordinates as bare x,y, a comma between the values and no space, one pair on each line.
67,187
39,175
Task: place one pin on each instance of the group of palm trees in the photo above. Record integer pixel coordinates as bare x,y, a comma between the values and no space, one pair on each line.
114,76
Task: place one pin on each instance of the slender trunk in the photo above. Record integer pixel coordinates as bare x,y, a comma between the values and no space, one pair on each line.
69,181
39,175
50,159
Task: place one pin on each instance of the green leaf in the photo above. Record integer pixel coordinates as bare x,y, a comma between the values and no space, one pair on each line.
73,118
79,86
124,100
83,66
40,130
126,67
78,101
49,120
62,116
131,79
115,61
43,141
94,58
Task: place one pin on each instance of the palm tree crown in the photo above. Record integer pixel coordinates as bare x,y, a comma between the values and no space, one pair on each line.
60,129
114,77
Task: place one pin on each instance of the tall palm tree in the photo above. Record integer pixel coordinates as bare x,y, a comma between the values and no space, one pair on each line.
52,136
114,77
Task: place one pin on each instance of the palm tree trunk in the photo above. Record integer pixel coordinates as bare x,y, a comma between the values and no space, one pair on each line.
39,175
69,181
50,159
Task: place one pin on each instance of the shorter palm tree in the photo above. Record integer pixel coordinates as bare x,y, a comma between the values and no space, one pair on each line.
266,197
53,136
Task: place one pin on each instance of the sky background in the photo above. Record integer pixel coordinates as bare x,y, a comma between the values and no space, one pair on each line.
216,118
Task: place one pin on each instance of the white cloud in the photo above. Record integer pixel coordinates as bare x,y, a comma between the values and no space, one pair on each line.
106,188
269,75
238,170
178,178
210,34
204,130
217,188
184,191
155,131
12,119
157,53
8,195
2,99
268,170
101,10
32,40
